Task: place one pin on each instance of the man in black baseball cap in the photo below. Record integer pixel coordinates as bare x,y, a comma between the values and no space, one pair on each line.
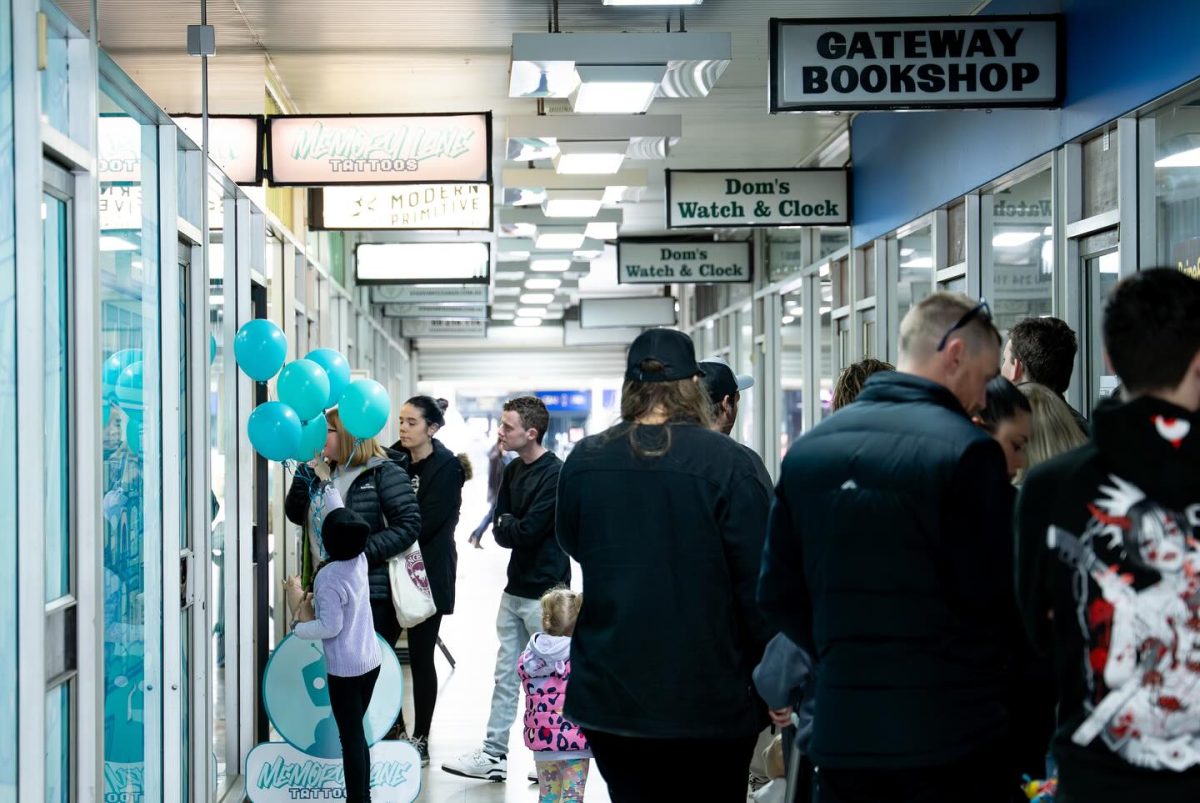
724,390
672,349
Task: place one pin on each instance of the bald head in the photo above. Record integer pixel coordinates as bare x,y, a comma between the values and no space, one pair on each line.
950,339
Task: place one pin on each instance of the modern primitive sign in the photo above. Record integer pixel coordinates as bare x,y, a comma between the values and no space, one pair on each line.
682,262
785,197
917,63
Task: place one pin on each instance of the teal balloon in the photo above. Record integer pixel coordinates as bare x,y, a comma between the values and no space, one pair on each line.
133,435
212,347
364,408
260,349
304,387
336,368
113,365
129,389
312,438
274,430
106,413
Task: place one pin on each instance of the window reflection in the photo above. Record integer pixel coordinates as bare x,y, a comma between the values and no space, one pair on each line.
915,271
792,370
1177,185
1022,251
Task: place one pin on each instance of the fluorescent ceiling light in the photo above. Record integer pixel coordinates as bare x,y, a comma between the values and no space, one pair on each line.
1014,239
823,270
510,274
531,312
616,89
527,322
907,252
826,310
537,299
550,264
510,305
1188,158
653,2
550,240
918,262
601,231
543,284
786,319
590,157
507,291
502,316
573,203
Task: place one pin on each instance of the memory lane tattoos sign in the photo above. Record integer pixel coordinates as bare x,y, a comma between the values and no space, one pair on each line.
351,149
786,197
917,63
682,262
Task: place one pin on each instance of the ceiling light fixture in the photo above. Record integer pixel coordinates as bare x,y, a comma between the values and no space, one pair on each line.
573,203
604,158
918,262
601,231
653,2
506,291
616,89
537,299
531,312
550,264
527,322
543,284
1014,239
550,240
502,316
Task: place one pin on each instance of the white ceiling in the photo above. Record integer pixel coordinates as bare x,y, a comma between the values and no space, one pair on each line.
383,56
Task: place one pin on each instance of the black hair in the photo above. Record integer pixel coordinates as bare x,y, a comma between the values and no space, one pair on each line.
1004,401
1152,329
431,410
1046,346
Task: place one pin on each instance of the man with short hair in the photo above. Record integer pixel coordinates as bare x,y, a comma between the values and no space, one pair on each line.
889,558
1042,350
724,389
1108,561
524,523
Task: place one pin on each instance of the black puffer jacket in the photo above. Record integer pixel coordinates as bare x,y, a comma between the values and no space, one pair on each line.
889,558
438,480
383,496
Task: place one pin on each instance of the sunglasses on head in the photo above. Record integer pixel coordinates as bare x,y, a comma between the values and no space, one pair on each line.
981,308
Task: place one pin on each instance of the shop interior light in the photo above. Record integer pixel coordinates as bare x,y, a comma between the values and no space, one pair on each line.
616,89
918,262
601,231
560,240
1188,158
1048,231
502,315
787,319
550,264
907,252
826,310
823,270
510,274
537,299
573,203
531,312
543,284
653,2
508,305
507,291
527,322
596,158
1014,239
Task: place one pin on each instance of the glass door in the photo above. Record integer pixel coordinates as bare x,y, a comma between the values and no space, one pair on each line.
186,553
1101,274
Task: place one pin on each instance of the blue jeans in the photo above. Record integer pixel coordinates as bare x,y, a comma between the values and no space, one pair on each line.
516,622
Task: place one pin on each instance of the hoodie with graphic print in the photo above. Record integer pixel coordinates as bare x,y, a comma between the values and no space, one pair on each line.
1108,576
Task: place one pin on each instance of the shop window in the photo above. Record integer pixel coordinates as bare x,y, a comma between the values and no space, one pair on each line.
866,274
825,368
56,84
784,258
832,240
956,234
1100,173
792,370
1177,186
915,271
1100,254
840,270
1022,251
8,423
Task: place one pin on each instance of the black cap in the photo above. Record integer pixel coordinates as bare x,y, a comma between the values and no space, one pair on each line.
671,348
720,381
344,534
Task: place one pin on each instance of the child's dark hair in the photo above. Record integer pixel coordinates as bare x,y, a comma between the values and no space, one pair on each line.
560,609
431,409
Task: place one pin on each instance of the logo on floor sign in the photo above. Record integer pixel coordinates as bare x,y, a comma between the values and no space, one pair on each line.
277,772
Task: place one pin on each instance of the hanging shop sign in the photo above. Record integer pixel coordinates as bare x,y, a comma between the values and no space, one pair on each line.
566,401
917,63
682,262
699,199
443,327
313,150
468,311
234,143
429,293
407,206
422,263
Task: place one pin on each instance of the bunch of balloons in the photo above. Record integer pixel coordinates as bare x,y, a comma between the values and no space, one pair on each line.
294,427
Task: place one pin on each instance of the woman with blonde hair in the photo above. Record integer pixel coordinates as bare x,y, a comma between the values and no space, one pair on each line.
1054,426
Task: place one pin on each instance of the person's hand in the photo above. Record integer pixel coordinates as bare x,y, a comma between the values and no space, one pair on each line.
294,592
321,468
305,611
475,540
781,717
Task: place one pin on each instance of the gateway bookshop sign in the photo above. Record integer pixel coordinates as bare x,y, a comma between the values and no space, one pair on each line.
789,197
682,262
917,63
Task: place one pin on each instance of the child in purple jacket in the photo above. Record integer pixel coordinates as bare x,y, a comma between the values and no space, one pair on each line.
342,620
560,750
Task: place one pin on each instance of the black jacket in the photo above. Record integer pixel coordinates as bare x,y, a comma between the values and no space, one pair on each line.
888,559
438,482
524,523
669,633
383,497
1108,576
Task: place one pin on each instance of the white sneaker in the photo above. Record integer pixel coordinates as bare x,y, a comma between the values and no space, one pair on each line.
480,765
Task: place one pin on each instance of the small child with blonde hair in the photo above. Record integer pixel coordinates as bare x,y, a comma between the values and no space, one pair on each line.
560,750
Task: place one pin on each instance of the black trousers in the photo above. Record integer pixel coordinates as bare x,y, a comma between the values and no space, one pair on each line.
349,699
652,770
983,777
422,643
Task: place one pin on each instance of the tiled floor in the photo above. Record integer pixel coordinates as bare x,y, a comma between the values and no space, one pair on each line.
462,710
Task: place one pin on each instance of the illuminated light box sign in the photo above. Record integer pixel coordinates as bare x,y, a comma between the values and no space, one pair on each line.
468,311
627,312
406,206
443,327
917,63
787,197
682,262
234,143
429,294
422,263
313,150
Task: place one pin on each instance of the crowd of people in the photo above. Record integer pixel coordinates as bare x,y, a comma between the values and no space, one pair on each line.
958,584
